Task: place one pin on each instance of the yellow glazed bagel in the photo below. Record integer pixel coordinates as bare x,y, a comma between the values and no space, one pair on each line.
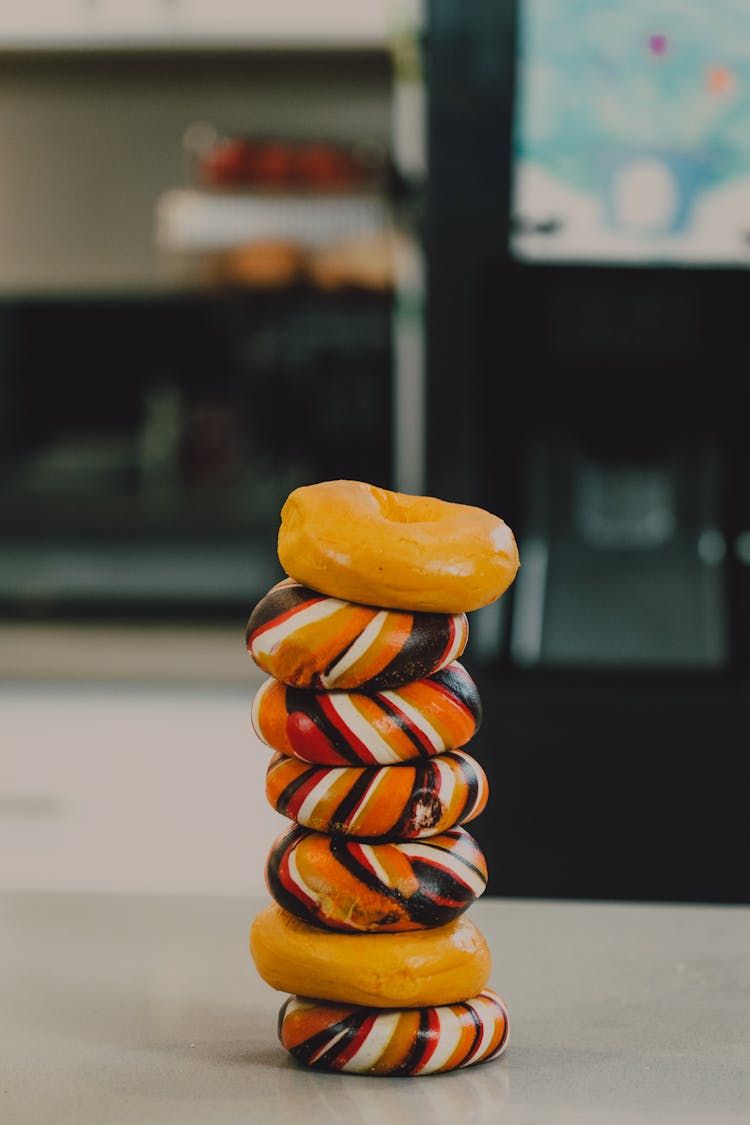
442,965
365,544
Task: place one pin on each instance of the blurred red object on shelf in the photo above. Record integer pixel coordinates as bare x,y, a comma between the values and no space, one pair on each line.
289,165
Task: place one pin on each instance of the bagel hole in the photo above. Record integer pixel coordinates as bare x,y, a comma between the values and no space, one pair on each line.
411,510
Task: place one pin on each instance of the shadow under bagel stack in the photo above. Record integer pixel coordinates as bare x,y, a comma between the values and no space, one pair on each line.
367,709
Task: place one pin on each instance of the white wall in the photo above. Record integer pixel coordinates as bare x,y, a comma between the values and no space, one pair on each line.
118,789
142,776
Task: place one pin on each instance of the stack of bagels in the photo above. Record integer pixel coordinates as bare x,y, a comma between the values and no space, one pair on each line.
367,708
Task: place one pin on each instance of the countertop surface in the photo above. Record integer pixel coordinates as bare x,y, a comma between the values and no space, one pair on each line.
147,1009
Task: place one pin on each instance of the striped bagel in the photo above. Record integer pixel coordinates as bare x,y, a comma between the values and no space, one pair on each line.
402,802
337,728
308,640
345,884
396,1041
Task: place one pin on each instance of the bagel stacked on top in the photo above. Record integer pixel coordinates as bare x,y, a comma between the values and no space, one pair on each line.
367,709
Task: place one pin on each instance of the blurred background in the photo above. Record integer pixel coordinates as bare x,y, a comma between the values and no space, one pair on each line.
495,252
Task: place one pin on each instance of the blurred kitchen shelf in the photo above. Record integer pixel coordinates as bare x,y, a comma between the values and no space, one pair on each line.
227,25
198,220
159,282
192,581
81,281
132,652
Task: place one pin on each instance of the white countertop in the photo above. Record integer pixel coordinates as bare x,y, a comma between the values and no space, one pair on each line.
120,1009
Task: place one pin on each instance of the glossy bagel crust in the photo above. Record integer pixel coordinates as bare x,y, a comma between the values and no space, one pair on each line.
356,887
403,802
365,544
337,728
420,968
402,1041
309,640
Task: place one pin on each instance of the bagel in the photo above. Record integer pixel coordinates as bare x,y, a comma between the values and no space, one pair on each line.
443,965
349,885
337,728
309,640
403,1041
365,544
403,802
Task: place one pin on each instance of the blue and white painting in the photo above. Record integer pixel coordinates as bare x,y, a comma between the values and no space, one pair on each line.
632,131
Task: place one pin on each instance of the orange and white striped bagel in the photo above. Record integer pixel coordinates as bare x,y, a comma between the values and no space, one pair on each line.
394,1041
337,728
308,640
354,886
403,802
